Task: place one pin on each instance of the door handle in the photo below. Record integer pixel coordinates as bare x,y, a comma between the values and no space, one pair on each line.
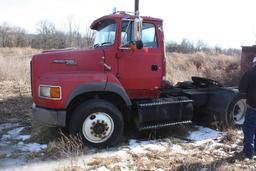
154,67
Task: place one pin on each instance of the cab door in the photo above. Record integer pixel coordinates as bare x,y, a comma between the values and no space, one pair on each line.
140,71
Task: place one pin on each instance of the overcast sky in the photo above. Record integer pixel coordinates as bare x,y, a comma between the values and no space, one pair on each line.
226,23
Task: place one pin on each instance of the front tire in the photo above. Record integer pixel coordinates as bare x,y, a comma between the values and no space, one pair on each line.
99,123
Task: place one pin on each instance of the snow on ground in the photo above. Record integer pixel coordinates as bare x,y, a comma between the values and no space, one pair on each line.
203,133
14,145
8,126
201,145
125,157
32,147
15,135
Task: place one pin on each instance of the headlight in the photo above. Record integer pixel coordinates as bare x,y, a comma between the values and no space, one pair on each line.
50,92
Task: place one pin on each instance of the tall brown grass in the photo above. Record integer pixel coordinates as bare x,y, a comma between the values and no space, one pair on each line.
223,68
14,64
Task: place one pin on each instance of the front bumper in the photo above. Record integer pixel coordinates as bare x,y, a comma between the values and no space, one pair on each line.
49,116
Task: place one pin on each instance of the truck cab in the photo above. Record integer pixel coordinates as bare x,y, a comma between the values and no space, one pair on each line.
139,71
96,92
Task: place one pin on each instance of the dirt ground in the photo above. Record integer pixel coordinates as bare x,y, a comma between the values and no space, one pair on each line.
165,149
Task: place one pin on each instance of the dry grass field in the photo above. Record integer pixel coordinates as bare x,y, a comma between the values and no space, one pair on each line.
220,154
223,68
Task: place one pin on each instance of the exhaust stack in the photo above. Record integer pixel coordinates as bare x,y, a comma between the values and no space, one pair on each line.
136,10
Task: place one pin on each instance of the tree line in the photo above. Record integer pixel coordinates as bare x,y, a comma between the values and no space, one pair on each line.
186,46
49,37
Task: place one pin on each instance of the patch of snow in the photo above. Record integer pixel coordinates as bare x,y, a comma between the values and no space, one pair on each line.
234,145
12,134
125,168
23,137
15,135
177,149
141,146
32,147
203,133
220,152
8,126
102,168
133,143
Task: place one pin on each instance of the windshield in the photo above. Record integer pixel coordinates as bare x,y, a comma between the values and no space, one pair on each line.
106,33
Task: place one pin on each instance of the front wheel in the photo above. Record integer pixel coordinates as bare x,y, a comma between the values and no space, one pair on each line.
98,121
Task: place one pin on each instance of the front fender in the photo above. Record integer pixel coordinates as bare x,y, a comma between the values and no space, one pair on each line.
112,85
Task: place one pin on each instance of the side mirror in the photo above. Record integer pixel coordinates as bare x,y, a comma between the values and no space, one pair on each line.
136,45
139,44
137,28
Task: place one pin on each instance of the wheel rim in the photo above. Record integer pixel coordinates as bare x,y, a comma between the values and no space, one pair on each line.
239,111
98,127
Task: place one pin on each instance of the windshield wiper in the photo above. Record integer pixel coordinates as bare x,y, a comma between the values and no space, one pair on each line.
96,45
106,43
102,44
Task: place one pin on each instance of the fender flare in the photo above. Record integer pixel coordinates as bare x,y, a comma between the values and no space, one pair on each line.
100,87
220,100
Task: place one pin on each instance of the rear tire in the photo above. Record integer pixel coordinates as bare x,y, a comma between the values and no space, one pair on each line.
99,123
236,112
235,115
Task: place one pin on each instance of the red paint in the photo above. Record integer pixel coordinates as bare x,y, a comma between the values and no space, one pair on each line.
130,69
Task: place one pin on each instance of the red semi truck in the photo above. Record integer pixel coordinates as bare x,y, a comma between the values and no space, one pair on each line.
120,81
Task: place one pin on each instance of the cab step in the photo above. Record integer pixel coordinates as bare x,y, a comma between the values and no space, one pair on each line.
162,125
163,112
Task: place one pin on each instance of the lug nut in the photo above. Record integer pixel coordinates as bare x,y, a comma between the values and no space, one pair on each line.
92,117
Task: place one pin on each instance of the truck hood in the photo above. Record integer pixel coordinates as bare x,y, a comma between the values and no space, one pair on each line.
61,61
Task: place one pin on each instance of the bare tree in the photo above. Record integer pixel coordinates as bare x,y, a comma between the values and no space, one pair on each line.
46,30
20,37
4,35
89,37
48,36
74,36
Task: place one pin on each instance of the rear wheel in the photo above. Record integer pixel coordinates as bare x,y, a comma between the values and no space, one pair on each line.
233,117
99,122
237,111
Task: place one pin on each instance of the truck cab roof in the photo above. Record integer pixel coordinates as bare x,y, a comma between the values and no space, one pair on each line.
122,15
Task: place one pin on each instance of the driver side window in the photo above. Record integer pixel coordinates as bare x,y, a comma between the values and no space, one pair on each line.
149,38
